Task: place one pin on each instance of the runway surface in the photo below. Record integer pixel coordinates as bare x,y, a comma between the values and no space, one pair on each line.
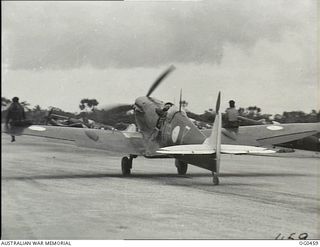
58,191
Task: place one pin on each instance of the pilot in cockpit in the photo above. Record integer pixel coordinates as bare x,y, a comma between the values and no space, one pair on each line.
162,113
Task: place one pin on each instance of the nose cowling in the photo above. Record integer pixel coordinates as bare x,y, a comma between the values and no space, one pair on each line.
139,104
145,113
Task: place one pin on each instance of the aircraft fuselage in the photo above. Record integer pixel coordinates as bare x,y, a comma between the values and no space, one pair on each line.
178,129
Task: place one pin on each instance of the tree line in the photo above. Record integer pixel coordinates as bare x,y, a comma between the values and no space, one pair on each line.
120,118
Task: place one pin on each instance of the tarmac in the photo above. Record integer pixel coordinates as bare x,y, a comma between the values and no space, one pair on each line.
59,191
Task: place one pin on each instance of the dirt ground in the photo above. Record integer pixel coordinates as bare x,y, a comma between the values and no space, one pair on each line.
58,191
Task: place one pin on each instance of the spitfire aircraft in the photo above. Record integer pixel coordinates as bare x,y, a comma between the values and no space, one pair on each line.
164,130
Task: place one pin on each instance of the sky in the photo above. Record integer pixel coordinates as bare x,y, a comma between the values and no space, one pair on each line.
257,52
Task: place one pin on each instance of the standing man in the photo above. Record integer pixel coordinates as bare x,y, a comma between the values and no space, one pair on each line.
15,115
232,115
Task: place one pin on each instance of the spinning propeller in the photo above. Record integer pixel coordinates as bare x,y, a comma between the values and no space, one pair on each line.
159,80
155,84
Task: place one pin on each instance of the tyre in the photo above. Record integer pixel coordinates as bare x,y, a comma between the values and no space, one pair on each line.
126,166
182,167
215,179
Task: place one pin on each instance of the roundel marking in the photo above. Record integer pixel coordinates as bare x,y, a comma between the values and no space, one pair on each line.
274,127
175,134
37,128
92,135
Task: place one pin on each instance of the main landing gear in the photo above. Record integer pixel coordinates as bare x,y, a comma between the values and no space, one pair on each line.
215,178
126,164
182,167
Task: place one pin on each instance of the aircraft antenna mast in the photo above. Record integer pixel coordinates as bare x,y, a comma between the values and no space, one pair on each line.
180,101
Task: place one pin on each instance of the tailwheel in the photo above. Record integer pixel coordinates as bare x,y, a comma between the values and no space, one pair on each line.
215,178
126,165
182,167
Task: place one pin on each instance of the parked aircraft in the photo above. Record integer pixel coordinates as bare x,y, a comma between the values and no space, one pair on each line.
311,143
174,135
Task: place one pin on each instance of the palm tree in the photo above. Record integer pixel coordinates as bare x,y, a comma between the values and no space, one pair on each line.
25,105
5,101
37,108
88,104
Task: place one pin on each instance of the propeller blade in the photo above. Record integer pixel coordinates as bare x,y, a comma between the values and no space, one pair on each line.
218,103
118,108
180,101
160,79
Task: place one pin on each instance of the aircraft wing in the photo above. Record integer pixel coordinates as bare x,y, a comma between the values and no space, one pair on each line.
122,142
267,135
206,149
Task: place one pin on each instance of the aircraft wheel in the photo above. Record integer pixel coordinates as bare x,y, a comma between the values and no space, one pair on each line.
126,165
182,167
215,179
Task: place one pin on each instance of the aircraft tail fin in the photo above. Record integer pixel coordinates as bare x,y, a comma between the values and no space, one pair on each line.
214,140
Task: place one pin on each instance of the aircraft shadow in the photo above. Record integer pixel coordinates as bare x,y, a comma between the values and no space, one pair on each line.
271,174
99,175
150,176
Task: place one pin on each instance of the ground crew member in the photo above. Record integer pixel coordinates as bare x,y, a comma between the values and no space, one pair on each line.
15,116
232,115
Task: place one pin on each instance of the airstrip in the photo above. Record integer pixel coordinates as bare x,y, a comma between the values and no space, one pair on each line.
59,191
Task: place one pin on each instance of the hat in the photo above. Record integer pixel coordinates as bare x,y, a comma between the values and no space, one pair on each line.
231,102
15,99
